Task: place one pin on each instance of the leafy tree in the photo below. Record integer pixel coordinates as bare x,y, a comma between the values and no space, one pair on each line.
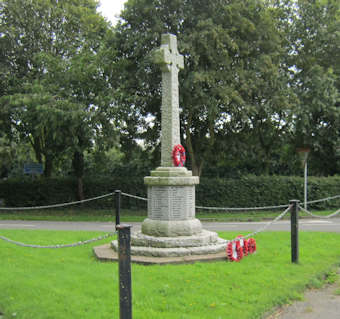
231,82
57,94
315,62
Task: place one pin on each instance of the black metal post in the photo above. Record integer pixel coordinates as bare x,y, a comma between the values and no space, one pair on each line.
124,255
118,196
294,230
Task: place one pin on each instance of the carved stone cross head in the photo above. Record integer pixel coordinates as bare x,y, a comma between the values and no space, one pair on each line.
167,56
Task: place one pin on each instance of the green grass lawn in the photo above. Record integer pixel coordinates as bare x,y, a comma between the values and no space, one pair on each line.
71,283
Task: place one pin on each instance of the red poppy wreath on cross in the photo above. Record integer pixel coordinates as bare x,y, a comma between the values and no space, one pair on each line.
178,155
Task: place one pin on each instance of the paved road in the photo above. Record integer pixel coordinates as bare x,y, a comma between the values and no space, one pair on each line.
331,225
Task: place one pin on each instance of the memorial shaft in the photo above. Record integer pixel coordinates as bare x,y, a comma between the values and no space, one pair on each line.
171,61
170,117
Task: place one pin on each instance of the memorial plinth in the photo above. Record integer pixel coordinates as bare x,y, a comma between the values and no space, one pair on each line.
171,203
171,228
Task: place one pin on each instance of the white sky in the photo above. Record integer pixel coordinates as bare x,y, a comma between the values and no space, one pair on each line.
111,8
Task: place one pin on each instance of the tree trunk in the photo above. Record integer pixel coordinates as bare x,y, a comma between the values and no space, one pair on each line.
78,167
80,188
35,142
196,166
48,166
266,148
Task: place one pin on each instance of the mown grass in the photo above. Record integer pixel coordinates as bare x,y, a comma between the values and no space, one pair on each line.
137,215
71,283
251,215
101,215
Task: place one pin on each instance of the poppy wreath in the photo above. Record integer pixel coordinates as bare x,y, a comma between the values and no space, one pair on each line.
244,245
234,250
178,155
251,245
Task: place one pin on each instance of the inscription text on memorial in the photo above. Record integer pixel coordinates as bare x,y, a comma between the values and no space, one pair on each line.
171,202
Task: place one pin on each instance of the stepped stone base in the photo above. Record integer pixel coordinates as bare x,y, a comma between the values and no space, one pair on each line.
204,243
202,239
106,254
171,229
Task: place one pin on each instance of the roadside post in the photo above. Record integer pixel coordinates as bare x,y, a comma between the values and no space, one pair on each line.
124,263
294,230
118,194
124,251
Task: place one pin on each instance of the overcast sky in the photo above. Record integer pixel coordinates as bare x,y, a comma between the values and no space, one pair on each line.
111,8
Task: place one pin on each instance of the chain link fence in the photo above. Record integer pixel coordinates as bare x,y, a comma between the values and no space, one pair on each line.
80,243
279,217
319,216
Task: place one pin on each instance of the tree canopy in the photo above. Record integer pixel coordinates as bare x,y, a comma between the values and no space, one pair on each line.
261,78
247,88
56,90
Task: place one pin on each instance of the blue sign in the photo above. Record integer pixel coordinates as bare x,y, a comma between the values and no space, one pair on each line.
33,168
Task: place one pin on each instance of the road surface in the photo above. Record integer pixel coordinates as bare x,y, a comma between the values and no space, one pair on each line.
328,225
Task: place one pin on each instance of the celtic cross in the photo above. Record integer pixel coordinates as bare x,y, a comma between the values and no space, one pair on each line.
170,61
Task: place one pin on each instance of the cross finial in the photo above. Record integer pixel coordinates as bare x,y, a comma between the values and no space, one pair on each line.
167,56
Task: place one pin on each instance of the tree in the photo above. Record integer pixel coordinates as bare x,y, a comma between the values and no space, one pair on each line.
57,94
231,81
315,61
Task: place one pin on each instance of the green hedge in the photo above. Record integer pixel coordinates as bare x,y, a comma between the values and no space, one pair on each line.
248,191
41,192
252,191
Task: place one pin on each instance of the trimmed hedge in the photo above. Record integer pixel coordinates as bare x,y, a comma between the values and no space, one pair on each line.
248,191
41,192
254,191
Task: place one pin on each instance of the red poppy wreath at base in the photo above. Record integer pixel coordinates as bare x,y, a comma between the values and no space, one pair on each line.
240,247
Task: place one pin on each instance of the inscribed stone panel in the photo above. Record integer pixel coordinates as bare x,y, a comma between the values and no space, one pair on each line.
159,202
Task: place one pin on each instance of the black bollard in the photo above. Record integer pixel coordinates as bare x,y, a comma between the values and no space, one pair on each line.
294,230
117,196
124,255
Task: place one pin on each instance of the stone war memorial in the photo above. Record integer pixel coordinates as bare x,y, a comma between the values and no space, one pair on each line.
171,230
